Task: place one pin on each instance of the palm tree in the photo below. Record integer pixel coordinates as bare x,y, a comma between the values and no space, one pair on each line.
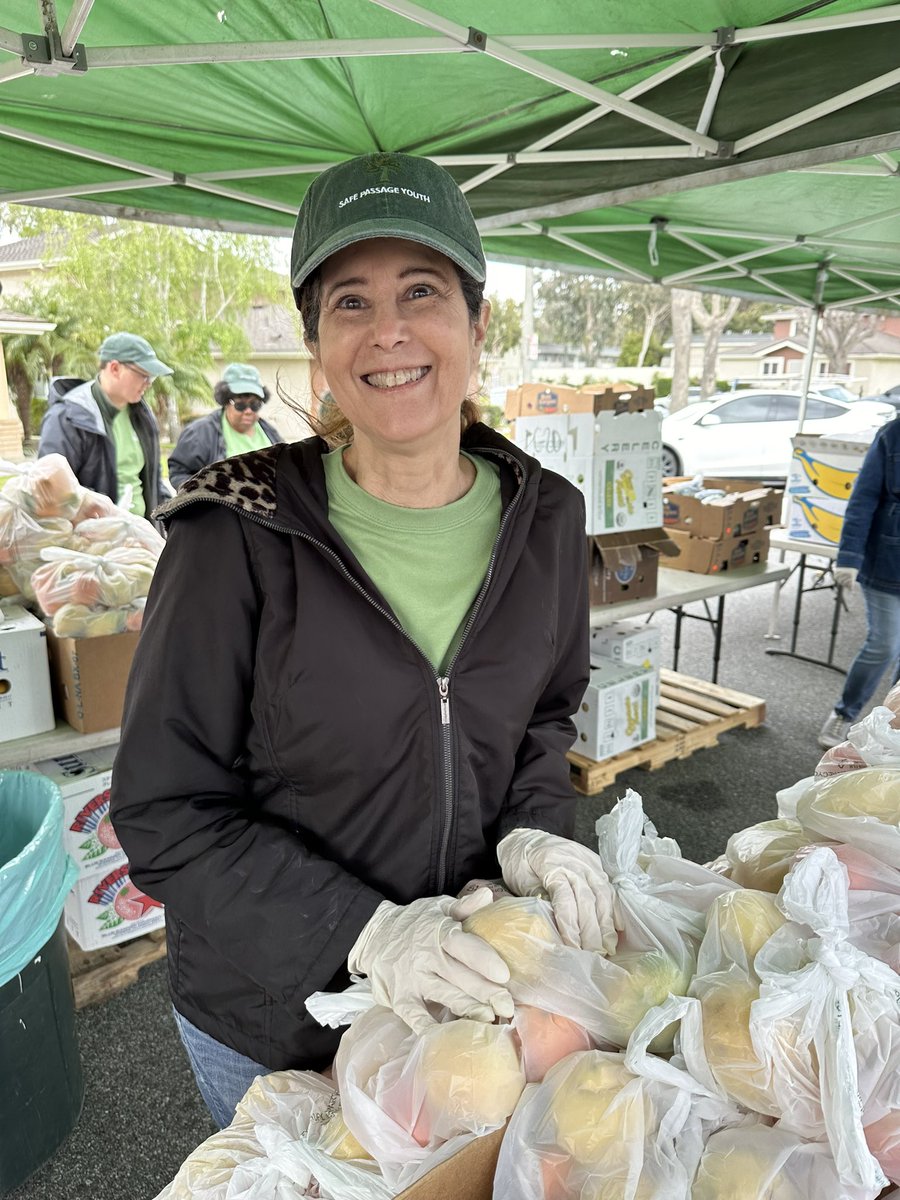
34,358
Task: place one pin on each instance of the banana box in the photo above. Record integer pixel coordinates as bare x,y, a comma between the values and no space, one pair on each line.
618,710
629,644
744,510
625,566
822,474
715,556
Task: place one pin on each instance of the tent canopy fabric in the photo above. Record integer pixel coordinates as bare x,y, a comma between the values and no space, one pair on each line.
656,141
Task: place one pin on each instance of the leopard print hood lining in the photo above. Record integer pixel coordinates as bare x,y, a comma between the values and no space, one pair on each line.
246,482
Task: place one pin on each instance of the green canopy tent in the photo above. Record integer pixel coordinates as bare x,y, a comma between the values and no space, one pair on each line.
744,146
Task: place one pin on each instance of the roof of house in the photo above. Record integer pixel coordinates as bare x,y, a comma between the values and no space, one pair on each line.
274,329
25,250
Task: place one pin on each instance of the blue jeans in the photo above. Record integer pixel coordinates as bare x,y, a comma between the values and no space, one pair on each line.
222,1074
881,650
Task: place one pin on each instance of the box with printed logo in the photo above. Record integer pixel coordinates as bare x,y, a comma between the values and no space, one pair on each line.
822,474
618,710
746,509
625,566
713,556
26,705
106,908
84,781
629,644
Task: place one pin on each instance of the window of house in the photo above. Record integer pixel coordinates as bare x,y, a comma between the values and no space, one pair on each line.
772,366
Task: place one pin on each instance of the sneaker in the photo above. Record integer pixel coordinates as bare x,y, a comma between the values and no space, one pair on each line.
834,731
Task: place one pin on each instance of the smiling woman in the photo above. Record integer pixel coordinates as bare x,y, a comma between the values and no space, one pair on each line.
404,598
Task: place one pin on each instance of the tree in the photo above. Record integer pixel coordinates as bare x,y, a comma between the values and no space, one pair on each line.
712,313
839,331
681,304
34,358
636,350
576,310
752,316
185,290
644,307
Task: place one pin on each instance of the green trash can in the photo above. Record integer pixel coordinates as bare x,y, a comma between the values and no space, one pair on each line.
43,1087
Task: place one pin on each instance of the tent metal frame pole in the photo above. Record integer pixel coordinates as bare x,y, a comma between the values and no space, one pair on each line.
112,57
107,160
632,272
718,263
15,70
733,260
858,223
75,22
536,158
818,310
84,189
632,93
496,48
11,41
888,294
878,16
807,115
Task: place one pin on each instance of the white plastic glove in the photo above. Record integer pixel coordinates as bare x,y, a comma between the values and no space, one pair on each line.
571,877
845,577
418,954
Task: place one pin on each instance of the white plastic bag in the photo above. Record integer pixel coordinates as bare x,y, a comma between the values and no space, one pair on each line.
860,808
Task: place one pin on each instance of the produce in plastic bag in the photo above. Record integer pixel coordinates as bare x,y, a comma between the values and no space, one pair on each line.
277,1148
872,742
23,537
518,928
119,528
112,580
859,808
546,1039
764,1163
75,620
46,487
761,855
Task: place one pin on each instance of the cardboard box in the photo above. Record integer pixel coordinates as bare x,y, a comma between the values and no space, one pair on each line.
625,566
104,909
89,677
537,399
26,705
746,509
822,474
84,781
629,644
623,449
467,1175
709,556
618,710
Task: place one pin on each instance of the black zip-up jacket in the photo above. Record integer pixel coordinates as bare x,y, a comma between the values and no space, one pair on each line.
203,443
73,427
289,757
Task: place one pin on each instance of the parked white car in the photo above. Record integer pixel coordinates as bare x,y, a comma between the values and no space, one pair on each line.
748,433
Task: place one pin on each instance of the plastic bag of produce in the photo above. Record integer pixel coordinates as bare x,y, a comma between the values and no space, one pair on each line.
764,1163
116,529
285,1141
405,1097
605,1124
872,742
23,537
108,581
859,808
761,855
45,487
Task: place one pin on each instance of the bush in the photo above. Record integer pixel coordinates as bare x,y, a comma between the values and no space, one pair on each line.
662,385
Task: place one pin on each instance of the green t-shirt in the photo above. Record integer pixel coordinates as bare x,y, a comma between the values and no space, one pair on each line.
240,443
129,452
428,563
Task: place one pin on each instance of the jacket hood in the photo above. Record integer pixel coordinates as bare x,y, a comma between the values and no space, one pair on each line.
84,411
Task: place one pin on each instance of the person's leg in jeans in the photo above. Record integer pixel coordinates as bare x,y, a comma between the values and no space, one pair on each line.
880,651
221,1073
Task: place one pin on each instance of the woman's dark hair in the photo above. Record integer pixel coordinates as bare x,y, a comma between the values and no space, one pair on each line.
223,393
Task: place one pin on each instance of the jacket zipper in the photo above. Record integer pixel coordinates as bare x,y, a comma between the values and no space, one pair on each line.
443,681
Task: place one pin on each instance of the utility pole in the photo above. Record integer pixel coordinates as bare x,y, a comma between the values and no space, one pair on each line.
527,325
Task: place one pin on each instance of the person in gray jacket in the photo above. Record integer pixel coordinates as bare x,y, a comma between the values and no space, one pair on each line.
235,427
105,428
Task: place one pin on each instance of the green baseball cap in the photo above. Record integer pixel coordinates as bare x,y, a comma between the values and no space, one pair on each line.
244,380
130,348
384,195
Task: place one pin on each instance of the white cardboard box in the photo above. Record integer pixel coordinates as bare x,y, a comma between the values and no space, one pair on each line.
629,644
822,473
26,703
84,781
106,908
624,452
618,710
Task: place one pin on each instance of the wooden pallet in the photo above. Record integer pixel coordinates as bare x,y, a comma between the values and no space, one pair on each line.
691,715
99,974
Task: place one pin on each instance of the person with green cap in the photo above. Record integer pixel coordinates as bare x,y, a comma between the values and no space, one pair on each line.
106,429
236,429
370,645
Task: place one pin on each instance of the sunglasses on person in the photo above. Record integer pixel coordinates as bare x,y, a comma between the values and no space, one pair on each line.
242,405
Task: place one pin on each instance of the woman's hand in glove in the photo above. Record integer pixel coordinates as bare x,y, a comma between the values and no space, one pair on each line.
572,878
418,954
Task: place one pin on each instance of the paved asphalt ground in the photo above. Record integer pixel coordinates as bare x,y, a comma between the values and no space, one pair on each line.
142,1114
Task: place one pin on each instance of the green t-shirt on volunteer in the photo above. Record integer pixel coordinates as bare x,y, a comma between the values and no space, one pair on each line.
240,443
129,452
428,563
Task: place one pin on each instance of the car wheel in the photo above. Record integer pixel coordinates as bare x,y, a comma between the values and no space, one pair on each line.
671,463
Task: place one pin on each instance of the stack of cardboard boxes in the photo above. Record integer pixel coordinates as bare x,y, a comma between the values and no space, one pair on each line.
823,472
721,534
607,443
26,707
104,907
